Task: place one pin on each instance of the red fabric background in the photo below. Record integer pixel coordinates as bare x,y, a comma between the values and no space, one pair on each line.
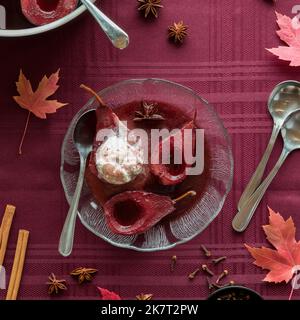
224,60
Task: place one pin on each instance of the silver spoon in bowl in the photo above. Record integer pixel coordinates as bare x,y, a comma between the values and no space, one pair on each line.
283,101
83,137
291,137
116,35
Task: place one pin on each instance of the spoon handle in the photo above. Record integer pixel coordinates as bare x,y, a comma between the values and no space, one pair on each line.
258,174
117,36
67,234
243,217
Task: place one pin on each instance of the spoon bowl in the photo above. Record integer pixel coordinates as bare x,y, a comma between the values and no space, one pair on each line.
291,132
84,132
83,138
283,100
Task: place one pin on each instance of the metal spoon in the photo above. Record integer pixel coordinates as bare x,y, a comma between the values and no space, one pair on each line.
291,137
283,101
83,137
116,35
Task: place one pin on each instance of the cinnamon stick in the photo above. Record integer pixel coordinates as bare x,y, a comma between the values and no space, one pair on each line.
18,265
5,230
13,275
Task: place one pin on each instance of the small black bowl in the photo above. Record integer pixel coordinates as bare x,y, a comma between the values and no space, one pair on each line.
235,293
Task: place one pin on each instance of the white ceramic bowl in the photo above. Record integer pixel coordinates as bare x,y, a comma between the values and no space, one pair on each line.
47,27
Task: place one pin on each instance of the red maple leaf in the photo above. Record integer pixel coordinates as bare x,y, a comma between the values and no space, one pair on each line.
289,33
36,101
108,295
281,262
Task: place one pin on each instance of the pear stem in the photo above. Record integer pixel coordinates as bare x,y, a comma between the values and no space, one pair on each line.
95,94
190,193
24,133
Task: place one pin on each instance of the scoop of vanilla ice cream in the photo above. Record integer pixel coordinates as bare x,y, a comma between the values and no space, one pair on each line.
117,161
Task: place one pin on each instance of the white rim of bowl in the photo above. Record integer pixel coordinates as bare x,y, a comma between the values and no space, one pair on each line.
44,28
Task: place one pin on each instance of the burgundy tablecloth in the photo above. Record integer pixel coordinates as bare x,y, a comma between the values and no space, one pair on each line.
224,60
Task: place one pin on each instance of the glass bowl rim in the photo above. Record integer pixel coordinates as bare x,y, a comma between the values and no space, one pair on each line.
226,136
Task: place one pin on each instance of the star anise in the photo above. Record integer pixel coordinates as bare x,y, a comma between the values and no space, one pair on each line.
150,6
55,285
144,296
149,112
83,274
178,31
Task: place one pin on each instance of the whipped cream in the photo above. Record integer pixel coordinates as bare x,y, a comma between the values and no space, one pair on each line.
117,161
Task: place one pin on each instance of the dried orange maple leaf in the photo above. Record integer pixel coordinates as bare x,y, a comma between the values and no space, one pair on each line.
281,262
36,101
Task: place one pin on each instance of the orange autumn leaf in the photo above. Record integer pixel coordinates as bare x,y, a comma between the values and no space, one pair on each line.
281,262
36,101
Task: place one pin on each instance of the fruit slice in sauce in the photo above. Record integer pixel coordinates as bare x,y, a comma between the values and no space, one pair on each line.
106,119
134,212
40,12
103,190
172,174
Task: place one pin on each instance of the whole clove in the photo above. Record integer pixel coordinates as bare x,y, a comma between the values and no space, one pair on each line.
210,284
193,274
218,260
222,275
207,270
206,251
173,263
215,286
213,280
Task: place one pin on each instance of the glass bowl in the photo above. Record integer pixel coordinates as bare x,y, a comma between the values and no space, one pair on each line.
18,26
167,233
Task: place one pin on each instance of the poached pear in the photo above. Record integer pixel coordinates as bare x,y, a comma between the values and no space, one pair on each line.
172,173
101,188
40,12
134,212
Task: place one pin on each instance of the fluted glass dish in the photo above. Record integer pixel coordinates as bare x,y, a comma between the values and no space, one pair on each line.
194,220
